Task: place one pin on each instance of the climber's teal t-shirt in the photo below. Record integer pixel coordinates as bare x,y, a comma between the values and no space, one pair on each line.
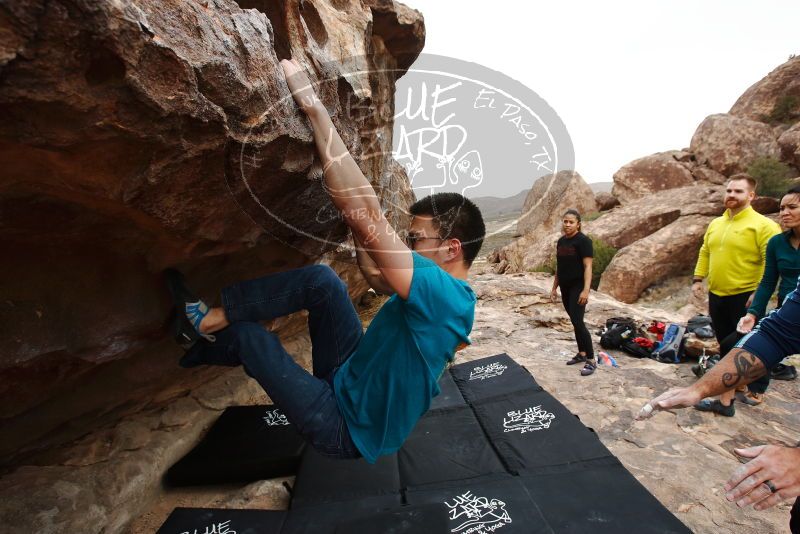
390,379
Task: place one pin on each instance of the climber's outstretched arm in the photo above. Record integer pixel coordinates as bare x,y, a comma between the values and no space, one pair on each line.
738,367
349,190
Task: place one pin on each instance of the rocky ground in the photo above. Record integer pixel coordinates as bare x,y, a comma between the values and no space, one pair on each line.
110,481
682,458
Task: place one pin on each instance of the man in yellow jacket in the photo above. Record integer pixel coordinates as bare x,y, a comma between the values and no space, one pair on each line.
732,261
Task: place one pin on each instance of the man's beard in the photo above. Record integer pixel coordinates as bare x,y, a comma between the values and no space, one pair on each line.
733,203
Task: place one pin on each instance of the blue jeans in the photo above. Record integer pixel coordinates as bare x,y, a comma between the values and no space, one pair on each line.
307,400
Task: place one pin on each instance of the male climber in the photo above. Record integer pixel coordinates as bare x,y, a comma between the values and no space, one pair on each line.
367,390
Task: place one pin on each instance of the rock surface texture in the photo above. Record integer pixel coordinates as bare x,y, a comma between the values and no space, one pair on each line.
550,197
789,142
760,99
729,144
606,201
660,255
141,135
649,174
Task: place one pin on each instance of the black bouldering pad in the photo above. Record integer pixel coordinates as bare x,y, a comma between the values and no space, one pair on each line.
447,444
406,520
322,480
218,521
599,496
326,518
245,444
502,506
532,429
489,377
449,395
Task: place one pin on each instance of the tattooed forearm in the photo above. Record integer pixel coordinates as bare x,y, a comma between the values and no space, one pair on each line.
746,368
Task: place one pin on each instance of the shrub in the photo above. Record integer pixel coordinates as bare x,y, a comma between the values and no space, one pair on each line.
603,253
785,110
549,268
592,216
772,175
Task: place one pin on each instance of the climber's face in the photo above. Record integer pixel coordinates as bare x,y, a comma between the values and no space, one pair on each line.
423,238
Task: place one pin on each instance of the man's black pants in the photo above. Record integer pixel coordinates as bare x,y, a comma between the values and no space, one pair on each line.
725,313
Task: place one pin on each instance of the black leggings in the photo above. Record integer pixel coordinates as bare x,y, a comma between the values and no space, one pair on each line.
570,291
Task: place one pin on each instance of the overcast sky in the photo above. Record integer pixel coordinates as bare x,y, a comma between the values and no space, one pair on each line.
628,78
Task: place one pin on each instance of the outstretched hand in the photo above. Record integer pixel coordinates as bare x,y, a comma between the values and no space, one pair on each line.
746,323
299,85
674,398
770,465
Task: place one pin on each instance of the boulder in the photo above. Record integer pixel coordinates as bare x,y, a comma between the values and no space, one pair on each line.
628,224
550,197
759,102
766,205
789,141
702,173
398,27
670,251
531,252
641,177
729,144
140,136
606,201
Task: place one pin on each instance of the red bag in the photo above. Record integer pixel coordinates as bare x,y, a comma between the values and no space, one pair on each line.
658,328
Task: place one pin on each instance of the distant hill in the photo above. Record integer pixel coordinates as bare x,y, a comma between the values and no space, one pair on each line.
494,206
601,187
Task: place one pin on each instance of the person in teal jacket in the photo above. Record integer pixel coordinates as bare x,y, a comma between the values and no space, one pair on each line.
782,261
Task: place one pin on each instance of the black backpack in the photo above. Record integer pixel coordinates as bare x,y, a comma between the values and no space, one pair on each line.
618,329
629,346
